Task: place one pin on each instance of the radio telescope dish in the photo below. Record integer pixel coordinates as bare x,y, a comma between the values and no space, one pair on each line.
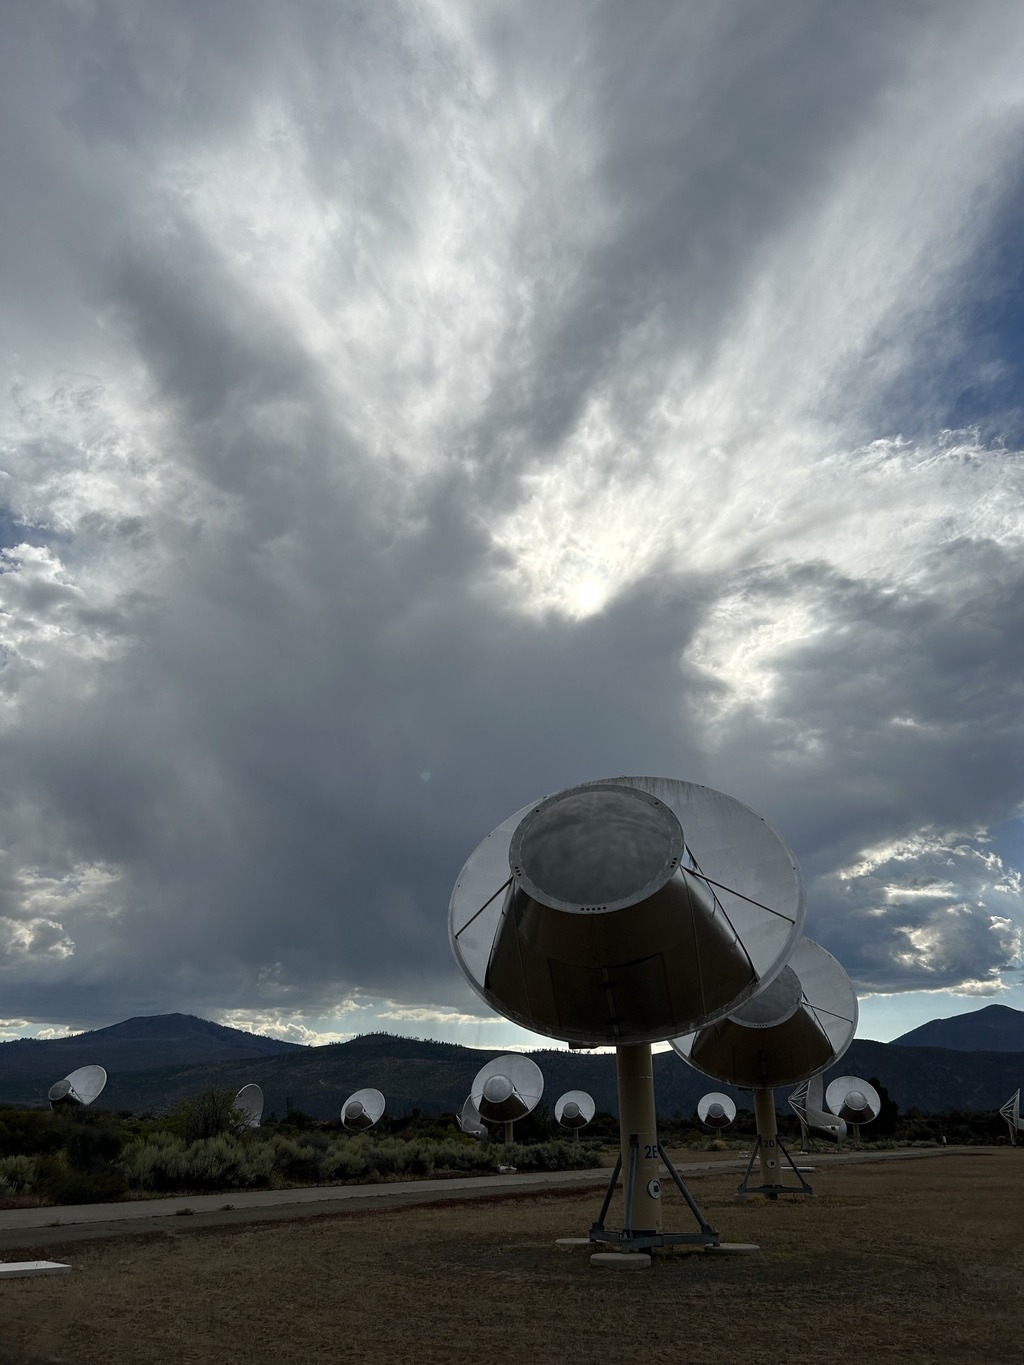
1011,1113
799,1025
469,1120
626,910
362,1110
623,912
506,1089
249,1106
808,1104
79,1088
716,1110
574,1109
854,1100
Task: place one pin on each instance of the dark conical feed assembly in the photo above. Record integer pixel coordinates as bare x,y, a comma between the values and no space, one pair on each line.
623,912
802,1023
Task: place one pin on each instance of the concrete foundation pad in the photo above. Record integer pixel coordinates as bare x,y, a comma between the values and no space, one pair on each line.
733,1249
621,1260
16,1270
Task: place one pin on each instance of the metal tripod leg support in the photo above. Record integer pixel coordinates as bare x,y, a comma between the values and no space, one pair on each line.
772,1191
626,1239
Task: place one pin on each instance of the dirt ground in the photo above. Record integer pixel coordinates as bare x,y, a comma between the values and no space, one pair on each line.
910,1261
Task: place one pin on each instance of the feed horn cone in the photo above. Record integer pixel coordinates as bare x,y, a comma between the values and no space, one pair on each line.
767,1043
362,1110
81,1087
716,1110
507,1088
574,1109
625,911
853,1099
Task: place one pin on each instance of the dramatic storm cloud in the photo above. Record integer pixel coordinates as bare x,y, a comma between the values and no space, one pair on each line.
412,409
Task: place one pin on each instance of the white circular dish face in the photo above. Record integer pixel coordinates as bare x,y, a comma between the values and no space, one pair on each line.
716,1110
574,1109
469,1120
853,1099
79,1087
809,1041
731,858
249,1104
362,1109
507,1088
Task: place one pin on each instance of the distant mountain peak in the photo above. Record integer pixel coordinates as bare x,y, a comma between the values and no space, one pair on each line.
142,1043
993,1028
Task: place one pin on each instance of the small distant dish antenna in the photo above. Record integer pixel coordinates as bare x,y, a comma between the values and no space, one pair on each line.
248,1106
79,1088
855,1101
574,1110
716,1110
1011,1113
469,1120
620,913
799,1025
362,1110
808,1104
506,1089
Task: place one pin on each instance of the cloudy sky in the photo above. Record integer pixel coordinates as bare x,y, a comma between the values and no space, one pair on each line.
410,409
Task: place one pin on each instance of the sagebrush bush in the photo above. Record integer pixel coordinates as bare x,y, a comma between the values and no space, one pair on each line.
546,1156
165,1162
17,1173
31,1132
154,1163
298,1158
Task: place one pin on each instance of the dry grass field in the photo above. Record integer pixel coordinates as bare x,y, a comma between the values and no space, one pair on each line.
910,1261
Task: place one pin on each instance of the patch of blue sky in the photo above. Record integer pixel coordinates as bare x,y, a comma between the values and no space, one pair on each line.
969,368
15,532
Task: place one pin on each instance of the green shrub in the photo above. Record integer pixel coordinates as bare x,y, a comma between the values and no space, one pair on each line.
31,1132
154,1163
544,1156
57,1183
17,1173
206,1115
92,1149
298,1158
346,1159
164,1163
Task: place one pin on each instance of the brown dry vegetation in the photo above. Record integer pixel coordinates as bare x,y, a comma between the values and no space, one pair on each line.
911,1261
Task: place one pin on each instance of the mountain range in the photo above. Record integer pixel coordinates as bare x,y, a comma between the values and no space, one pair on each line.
996,1028
153,1061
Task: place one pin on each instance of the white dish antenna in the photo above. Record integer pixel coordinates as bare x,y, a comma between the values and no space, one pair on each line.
802,1023
249,1105
469,1120
854,1100
362,1110
624,911
506,1089
80,1087
575,1109
808,1104
1011,1113
716,1110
